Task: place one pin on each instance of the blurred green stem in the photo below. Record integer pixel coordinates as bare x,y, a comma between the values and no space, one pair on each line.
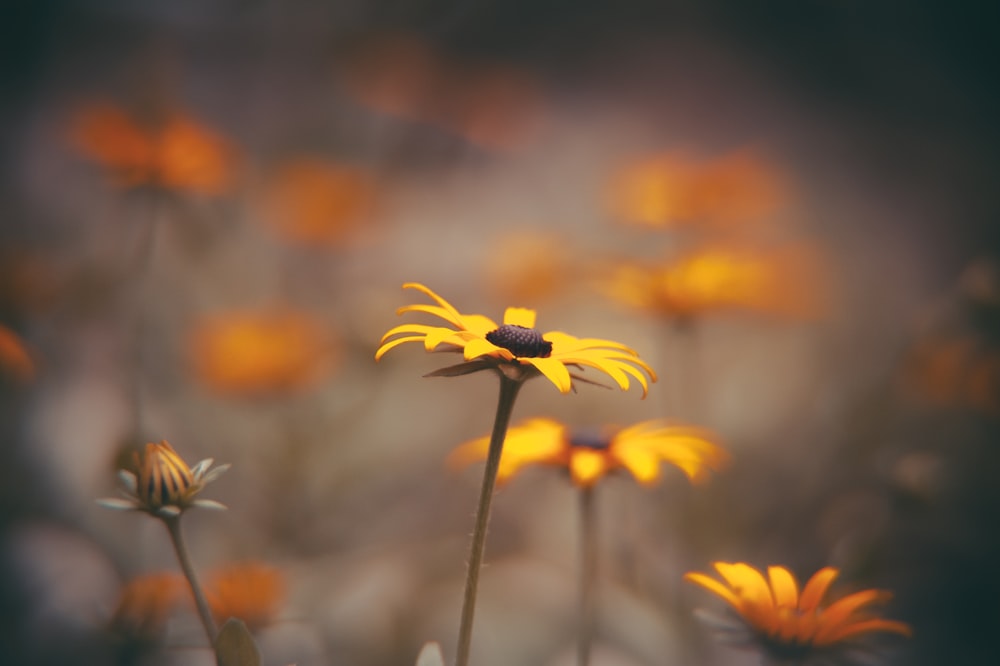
174,527
505,405
588,568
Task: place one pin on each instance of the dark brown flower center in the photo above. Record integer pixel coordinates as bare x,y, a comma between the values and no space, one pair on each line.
590,439
520,341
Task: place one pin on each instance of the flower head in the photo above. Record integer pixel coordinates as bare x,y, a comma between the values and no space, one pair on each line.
790,625
163,485
251,591
144,605
515,347
14,357
639,449
178,154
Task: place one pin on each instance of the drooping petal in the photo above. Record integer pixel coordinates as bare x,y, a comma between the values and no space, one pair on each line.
381,351
834,616
586,466
554,371
868,626
641,462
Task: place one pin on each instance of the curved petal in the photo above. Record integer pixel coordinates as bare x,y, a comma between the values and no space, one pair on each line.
816,588
714,586
783,587
834,616
750,586
395,343
452,314
641,462
864,627
477,347
554,371
519,317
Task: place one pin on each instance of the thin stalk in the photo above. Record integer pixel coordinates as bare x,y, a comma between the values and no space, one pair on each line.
505,405
588,569
174,527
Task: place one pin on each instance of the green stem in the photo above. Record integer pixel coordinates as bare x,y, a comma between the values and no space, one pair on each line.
588,569
174,527
505,405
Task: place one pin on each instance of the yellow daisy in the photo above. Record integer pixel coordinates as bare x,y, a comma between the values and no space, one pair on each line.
639,449
515,347
789,624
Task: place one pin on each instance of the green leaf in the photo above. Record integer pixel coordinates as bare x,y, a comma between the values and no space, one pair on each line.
235,646
430,655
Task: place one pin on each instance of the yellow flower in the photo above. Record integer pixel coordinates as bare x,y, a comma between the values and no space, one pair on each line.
515,348
789,624
164,485
639,449
251,591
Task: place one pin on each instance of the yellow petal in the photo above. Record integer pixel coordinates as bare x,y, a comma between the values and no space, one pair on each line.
554,370
715,586
816,588
783,587
452,314
586,466
519,317
750,586
642,463
477,347
394,343
833,618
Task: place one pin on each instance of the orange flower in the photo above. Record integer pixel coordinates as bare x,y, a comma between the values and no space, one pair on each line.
787,281
178,154
789,624
146,603
262,351
252,592
497,107
14,357
672,189
315,202
525,266
640,449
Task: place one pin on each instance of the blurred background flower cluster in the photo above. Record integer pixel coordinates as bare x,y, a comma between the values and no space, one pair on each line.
206,213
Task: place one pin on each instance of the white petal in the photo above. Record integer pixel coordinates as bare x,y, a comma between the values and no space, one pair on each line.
209,504
201,467
168,511
128,480
119,504
212,475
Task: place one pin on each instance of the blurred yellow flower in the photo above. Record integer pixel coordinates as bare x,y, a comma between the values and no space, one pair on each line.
15,360
525,266
145,604
791,625
163,485
254,352
319,203
251,591
515,348
640,449
673,189
177,154
787,281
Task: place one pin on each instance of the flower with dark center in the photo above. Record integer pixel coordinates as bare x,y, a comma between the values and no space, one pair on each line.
592,455
514,347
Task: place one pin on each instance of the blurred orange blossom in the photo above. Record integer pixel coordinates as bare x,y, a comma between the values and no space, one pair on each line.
255,352
315,202
251,591
673,189
15,360
176,154
789,624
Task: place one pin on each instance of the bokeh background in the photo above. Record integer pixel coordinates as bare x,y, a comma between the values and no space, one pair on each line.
206,213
